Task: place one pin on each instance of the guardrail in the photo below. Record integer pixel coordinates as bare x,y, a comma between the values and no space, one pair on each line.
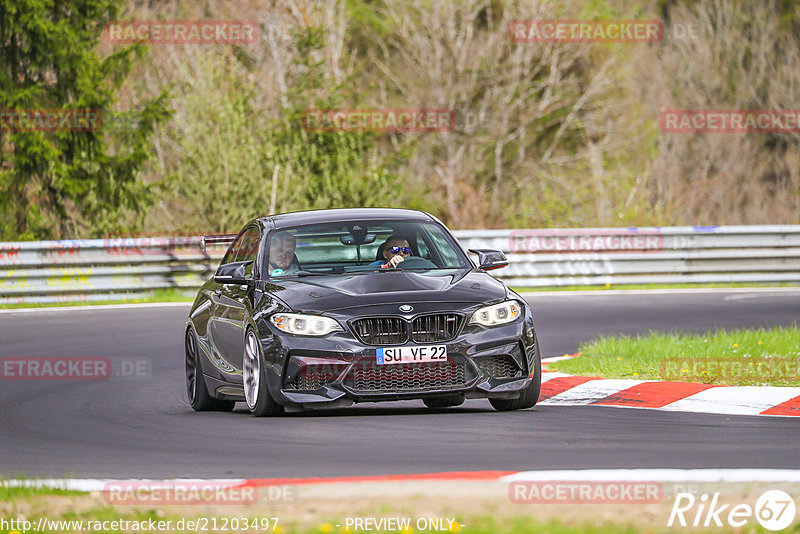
666,255
101,269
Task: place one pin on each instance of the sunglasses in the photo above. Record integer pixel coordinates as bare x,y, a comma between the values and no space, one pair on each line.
398,250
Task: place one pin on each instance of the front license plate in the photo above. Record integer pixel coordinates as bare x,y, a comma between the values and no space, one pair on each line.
423,353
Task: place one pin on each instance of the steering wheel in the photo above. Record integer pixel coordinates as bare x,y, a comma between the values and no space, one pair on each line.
415,262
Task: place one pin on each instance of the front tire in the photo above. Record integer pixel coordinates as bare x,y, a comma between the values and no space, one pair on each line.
199,397
530,395
254,379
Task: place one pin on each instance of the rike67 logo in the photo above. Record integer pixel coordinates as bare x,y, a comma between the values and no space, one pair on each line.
774,510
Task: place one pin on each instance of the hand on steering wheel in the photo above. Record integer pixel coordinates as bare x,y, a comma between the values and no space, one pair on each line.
394,262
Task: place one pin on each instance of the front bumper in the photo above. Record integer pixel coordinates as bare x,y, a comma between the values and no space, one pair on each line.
338,370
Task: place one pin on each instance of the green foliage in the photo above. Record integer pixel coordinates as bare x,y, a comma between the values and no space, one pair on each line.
62,183
230,150
220,173
158,295
739,357
10,492
334,169
561,135
230,147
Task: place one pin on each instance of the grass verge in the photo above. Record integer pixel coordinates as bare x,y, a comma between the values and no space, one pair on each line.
159,295
738,358
11,493
433,507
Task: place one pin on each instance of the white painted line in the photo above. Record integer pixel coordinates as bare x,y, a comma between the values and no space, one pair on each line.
758,296
664,475
605,475
734,400
591,391
665,291
90,307
549,375
557,358
100,484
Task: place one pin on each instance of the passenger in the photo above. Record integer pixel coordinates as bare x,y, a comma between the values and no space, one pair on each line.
395,251
281,254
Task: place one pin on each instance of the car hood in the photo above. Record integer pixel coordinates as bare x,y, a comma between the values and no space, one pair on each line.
329,293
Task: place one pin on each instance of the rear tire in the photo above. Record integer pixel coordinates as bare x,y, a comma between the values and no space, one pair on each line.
444,402
199,398
254,379
530,395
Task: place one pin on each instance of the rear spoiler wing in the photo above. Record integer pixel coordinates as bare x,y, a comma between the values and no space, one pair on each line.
216,239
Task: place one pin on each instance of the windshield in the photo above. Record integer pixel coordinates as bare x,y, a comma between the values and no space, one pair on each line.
363,246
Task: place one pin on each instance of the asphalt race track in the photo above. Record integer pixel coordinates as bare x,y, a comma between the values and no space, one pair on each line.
143,427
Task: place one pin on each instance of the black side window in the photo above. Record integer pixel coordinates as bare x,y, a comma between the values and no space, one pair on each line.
248,249
422,246
230,256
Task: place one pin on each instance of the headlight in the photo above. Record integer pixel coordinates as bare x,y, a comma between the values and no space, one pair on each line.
305,325
502,313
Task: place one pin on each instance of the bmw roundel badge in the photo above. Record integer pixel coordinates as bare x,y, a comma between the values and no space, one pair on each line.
406,308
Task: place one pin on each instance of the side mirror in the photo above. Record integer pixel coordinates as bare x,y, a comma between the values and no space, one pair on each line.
232,273
489,259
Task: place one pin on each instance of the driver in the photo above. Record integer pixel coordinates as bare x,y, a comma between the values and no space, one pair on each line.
395,251
281,254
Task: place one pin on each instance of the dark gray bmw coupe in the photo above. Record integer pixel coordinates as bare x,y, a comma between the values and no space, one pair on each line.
321,309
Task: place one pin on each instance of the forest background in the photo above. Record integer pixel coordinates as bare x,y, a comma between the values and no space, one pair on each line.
199,138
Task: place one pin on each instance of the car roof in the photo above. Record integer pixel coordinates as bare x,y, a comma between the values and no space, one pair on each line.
286,220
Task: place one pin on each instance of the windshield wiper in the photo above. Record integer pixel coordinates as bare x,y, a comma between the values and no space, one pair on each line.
399,270
313,273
